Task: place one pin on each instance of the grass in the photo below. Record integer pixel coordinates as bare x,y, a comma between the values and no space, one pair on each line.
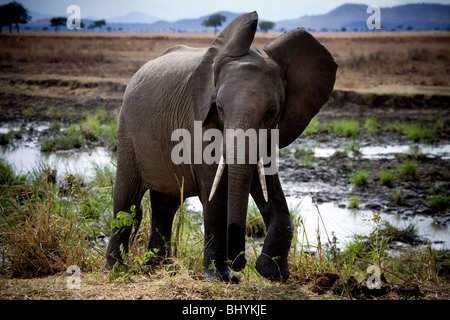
438,202
371,126
397,195
354,201
408,169
305,155
313,127
344,127
414,131
5,138
387,178
47,230
359,179
96,129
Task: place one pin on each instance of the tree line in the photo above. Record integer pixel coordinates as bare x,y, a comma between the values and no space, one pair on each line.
13,14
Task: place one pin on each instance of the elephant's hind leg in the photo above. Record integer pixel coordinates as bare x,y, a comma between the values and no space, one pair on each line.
164,208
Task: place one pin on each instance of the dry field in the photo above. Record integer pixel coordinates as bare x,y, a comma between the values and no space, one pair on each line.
403,61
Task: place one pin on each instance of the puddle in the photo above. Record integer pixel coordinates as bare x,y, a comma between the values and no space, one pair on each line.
25,155
329,220
387,151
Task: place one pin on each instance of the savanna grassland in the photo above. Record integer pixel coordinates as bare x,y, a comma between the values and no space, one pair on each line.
391,86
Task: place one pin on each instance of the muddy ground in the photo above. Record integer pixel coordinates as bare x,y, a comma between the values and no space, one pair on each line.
330,175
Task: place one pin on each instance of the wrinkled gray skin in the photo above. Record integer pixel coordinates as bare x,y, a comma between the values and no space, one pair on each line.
229,85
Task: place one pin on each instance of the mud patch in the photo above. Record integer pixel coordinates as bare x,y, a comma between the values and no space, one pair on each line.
370,287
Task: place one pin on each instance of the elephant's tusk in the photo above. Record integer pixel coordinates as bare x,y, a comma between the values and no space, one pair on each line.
219,173
262,179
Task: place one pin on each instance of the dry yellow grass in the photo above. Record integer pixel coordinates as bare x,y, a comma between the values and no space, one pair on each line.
366,60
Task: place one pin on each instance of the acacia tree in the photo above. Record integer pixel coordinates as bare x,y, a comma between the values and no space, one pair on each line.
214,21
13,13
266,25
97,24
58,22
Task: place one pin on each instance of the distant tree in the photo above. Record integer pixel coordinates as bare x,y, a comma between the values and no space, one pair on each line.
214,21
97,24
13,13
265,26
58,22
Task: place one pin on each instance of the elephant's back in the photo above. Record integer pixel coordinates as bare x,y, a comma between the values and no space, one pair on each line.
172,67
157,83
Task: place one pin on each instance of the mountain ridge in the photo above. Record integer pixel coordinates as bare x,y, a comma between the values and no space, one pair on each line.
347,17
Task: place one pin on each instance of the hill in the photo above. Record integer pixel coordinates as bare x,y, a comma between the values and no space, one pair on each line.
353,17
350,17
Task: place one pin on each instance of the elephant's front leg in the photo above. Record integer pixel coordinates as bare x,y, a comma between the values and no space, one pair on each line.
272,263
215,232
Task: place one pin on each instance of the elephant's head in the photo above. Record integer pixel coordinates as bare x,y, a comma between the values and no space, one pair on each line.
246,90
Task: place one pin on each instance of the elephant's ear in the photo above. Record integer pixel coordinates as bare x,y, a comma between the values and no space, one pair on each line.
234,41
310,75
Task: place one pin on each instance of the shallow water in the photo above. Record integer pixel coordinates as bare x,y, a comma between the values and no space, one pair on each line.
389,151
325,219
25,154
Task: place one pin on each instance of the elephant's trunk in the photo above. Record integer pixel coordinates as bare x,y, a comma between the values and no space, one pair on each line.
239,183
240,158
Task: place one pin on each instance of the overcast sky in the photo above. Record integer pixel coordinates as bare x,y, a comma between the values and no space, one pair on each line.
177,9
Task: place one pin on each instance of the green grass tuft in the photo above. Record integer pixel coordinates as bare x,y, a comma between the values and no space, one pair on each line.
360,179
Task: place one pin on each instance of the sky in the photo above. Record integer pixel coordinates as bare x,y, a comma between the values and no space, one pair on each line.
172,10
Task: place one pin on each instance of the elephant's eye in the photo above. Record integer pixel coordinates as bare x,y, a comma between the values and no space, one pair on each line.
271,112
219,108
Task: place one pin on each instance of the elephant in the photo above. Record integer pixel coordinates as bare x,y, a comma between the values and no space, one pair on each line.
228,85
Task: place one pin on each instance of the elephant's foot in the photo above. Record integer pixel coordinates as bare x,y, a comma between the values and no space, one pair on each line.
225,275
272,268
111,260
239,263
